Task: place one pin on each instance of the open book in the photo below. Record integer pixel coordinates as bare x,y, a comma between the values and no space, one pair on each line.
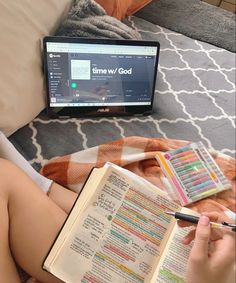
117,231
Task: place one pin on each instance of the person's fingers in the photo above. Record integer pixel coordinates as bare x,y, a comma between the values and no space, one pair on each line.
182,223
225,249
189,237
215,216
199,250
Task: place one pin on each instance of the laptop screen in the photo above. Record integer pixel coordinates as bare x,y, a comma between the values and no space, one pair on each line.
85,74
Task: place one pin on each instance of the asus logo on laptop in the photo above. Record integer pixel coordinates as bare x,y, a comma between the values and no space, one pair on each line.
103,110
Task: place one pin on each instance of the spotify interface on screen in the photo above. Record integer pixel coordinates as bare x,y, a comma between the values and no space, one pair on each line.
81,74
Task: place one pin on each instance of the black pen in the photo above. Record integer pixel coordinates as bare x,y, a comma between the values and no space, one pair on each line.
194,219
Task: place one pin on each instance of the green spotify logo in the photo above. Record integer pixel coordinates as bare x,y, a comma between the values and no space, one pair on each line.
73,85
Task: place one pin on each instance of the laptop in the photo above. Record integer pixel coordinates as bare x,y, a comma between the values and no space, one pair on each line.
99,77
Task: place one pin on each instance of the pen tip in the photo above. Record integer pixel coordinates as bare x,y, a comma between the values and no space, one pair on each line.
169,212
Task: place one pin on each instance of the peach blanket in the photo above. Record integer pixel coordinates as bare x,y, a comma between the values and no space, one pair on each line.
136,154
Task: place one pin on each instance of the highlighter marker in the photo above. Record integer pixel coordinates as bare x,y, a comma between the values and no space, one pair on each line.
196,181
180,150
205,194
183,162
201,185
193,166
183,158
182,155
193,174
203,191
177,158
195,177
187,171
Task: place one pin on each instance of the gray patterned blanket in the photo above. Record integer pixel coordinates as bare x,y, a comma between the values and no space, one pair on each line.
194,100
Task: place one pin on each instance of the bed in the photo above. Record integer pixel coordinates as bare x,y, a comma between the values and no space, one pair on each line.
194,101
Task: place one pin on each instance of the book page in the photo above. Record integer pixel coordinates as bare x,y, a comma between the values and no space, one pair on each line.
120,234
173,263
87,191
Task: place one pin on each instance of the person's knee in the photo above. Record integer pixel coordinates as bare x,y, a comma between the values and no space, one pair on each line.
4,172
5,165
7,172
10,177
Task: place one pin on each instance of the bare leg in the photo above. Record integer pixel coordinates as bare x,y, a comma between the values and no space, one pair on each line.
9,152
63,197
7,266
30,222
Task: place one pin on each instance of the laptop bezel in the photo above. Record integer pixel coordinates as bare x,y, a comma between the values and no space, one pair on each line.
94,111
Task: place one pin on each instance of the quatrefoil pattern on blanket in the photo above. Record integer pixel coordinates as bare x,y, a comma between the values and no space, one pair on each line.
194,100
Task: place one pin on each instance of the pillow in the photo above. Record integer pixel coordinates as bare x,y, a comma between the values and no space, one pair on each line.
120,8
23,23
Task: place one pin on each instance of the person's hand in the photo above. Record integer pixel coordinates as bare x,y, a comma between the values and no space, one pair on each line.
212,257
215,234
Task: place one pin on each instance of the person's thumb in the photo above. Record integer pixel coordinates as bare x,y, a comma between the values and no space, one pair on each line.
200,246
